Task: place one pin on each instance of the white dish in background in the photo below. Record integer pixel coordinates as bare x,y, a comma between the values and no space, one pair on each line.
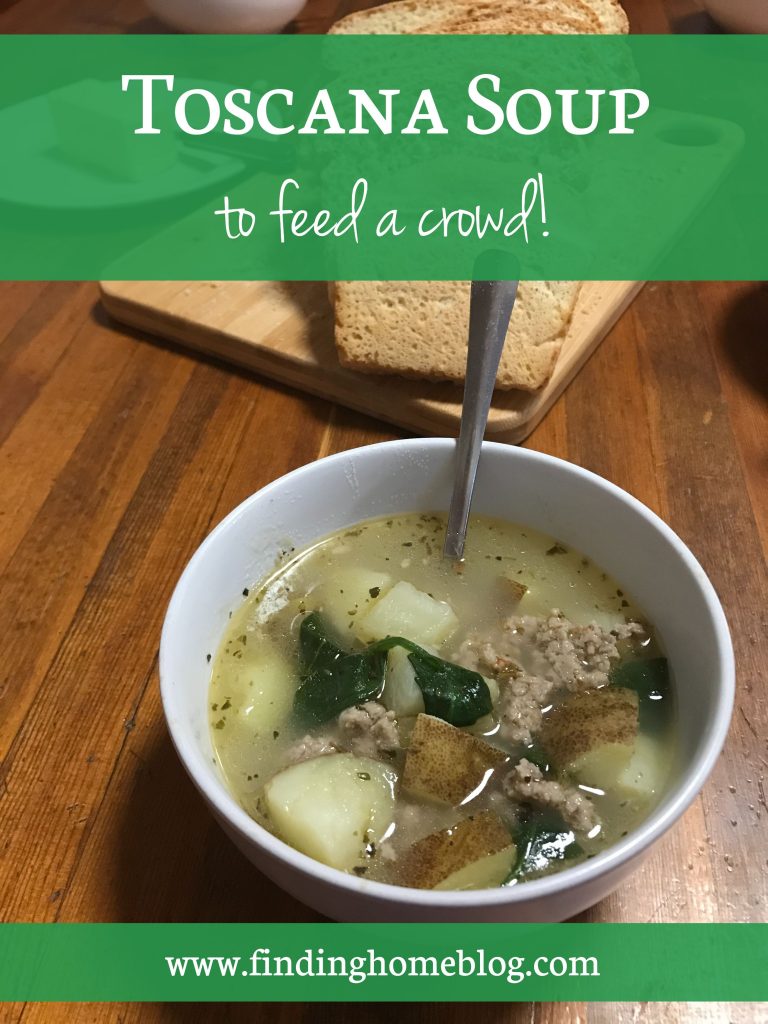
584,511
748,16
79,187
236,16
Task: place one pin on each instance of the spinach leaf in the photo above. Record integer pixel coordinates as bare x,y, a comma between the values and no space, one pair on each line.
451,692
333,679
649,678
315,644
541,838
537,755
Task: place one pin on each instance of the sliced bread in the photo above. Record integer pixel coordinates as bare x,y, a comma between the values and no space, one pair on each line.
419,329
510,17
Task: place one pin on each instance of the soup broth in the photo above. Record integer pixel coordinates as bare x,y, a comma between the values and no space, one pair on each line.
435,725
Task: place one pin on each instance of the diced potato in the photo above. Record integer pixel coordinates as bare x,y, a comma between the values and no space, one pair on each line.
600,766
332,806
401,693
410,613
477,853
259,687
592,734
446,764
347,595
486,873
643,776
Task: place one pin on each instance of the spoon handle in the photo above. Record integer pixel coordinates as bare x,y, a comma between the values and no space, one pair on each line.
490,308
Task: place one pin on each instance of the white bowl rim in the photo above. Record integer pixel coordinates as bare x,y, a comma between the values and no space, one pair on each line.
640,839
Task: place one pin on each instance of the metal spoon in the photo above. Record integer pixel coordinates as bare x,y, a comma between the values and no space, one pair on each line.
490,308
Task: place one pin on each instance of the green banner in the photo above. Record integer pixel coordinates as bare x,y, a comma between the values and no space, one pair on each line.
379,962
315,157
383,157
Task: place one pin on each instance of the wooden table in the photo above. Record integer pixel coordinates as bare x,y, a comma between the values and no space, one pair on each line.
118,455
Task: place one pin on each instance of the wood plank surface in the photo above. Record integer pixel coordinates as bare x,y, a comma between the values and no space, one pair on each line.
118,454
284,330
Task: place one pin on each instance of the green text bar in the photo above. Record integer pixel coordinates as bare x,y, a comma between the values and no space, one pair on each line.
315,157
377,962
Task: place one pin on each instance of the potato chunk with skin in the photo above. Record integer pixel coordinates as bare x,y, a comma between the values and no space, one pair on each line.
487,873
347,595
410,613
592,734
331,806
643,775
446,764
513,588
476,853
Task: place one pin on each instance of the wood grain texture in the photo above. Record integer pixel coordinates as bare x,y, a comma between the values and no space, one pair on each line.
118,454
284,330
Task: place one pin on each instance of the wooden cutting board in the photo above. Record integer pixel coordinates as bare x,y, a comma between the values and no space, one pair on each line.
285,331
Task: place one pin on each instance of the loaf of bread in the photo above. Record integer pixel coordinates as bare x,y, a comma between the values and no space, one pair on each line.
419,328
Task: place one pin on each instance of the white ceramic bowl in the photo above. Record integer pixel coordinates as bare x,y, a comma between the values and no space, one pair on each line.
233,16
581,509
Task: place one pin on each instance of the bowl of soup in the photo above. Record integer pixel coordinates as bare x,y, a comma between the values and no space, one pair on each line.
391,735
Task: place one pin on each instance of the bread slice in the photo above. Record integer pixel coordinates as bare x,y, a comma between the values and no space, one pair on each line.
612,16
509,17
419,329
